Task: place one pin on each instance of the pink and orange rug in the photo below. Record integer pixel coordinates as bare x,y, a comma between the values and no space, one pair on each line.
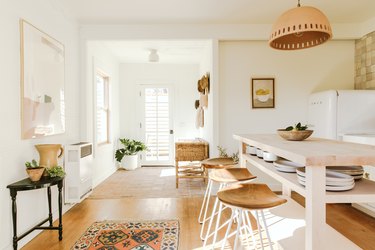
128,235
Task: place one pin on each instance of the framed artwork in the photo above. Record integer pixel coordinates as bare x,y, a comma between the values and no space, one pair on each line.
263,92
42,83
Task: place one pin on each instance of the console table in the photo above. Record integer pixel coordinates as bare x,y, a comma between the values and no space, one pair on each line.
27,184
315,154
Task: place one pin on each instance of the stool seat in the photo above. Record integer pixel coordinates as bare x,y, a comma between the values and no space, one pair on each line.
221,162
231,175
250,196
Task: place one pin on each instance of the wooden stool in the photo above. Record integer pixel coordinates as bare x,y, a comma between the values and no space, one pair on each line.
212,163
245,197
225,177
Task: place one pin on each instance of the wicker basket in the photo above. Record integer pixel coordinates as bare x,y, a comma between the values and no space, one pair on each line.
191,151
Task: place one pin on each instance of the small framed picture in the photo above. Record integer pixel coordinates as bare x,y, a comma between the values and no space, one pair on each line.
263,92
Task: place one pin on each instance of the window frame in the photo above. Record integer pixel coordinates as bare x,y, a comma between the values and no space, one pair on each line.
106,108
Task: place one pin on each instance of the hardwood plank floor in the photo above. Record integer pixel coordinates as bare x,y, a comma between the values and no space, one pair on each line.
357,226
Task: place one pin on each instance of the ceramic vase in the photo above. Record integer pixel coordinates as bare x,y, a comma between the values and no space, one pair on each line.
48,154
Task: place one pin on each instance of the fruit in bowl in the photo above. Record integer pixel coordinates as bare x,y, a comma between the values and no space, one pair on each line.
295,133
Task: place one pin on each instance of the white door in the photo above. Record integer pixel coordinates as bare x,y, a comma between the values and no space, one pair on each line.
156,124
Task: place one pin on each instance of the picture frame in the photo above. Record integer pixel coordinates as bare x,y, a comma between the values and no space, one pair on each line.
42,83
263,93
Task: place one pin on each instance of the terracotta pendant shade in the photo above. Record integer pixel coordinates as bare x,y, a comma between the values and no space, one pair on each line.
300,28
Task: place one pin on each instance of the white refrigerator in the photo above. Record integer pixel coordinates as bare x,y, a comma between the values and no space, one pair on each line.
333,113
347,115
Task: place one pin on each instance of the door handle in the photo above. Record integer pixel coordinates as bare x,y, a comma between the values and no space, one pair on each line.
171,131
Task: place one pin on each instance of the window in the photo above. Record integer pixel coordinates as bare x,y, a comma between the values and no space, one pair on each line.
102,108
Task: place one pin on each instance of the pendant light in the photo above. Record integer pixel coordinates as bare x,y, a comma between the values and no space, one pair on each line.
300,28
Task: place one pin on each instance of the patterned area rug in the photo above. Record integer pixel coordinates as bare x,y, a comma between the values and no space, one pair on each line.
139,235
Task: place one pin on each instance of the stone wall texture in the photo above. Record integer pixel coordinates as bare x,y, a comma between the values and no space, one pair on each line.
365,62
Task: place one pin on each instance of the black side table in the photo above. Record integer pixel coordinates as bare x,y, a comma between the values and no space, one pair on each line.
27,184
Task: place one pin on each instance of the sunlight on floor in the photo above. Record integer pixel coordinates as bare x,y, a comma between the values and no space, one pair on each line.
168,172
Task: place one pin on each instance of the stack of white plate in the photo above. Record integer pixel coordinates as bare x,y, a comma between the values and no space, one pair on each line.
355,171
283,165
334,181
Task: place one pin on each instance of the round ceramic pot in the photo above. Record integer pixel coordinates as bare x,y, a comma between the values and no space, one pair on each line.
129,162
35,173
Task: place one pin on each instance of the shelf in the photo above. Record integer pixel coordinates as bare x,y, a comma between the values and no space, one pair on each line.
363,191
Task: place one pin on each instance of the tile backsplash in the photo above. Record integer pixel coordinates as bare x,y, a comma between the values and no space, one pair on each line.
365,62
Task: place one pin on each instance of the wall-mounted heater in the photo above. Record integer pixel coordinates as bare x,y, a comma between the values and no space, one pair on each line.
78,168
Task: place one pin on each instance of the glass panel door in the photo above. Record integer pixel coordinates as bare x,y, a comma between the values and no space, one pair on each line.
156,126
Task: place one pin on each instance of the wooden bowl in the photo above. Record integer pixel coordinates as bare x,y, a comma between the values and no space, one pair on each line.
291,135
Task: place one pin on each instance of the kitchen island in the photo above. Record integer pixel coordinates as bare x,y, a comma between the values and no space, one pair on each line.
315,154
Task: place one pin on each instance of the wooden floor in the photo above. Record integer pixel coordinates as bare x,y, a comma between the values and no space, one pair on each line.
352,223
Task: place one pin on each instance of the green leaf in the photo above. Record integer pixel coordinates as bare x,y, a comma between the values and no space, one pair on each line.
289,128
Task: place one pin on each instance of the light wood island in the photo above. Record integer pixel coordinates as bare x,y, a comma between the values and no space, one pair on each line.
315,154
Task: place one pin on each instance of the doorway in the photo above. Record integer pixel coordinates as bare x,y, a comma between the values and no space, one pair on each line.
156,124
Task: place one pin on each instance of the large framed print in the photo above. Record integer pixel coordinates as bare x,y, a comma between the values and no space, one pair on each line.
42,83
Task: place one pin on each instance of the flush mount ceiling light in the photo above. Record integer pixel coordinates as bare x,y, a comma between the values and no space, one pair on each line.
300,28
153,57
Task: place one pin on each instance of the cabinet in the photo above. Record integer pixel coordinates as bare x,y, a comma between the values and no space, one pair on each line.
315,154
188,155
78,167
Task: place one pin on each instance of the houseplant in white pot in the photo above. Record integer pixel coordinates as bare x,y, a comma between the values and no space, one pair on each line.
127,155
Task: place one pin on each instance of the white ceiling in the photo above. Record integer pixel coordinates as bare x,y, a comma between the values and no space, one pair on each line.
209,11
91,12
169,51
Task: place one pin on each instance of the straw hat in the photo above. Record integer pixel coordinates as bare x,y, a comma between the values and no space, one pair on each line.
204,84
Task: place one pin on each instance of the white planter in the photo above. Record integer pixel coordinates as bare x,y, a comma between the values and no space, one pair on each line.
129,162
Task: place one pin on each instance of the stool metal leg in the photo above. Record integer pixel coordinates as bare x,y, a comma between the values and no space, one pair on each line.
266,228
228,229
250,228
213,213
259,230
239,224
205,203
211,218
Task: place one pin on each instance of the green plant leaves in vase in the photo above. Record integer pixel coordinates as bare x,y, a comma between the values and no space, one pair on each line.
130,147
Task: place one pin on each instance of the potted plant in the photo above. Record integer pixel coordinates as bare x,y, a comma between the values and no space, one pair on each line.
56,171
127,155
34,171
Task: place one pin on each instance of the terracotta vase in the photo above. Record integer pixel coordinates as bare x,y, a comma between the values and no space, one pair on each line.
35,173
48,154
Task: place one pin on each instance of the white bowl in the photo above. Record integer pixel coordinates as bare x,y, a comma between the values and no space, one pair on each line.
263,98
267,156
259,153
251,150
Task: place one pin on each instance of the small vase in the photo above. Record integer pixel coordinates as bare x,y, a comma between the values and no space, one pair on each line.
35,173
48,154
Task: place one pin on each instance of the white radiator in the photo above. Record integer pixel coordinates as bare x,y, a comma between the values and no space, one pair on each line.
78,168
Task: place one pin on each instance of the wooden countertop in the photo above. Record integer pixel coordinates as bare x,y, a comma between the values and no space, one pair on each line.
313,151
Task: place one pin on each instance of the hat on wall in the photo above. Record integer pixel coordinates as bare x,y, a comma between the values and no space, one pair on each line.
196,104
204,84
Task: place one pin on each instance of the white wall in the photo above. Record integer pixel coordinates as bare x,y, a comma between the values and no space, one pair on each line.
296,73
99,57
206,66
47,16
182,78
